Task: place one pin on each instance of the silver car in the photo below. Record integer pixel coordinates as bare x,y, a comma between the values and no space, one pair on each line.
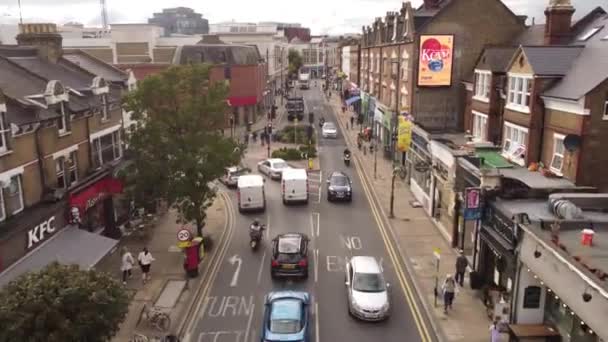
368,297
273,167
329,130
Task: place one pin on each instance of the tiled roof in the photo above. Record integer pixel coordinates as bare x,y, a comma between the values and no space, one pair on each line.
95,66
533,35
497,58
551,60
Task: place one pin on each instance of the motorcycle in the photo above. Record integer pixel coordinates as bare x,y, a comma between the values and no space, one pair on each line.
347,159
255,236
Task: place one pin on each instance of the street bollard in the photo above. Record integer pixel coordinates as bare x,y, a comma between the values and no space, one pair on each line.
310,163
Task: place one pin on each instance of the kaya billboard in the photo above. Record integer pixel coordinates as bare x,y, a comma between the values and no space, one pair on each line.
435,60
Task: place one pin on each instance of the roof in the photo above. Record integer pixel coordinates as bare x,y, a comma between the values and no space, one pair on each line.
551,60
533,35
217,54
95,66
536,180
496,59
365,264
493,159
589,69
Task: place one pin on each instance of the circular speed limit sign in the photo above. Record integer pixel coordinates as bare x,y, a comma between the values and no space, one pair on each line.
183,235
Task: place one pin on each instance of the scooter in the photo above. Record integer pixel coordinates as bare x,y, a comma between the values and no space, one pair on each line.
255,236
347,159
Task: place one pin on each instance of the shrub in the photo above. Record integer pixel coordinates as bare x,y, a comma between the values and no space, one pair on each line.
286,135
287,154
308,149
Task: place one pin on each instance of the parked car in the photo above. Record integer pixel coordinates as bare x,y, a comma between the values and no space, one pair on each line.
329,130
367,291
272,167
231,175
289,256
286,317
339,187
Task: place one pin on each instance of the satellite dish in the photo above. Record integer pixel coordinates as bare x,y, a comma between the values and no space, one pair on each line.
572,142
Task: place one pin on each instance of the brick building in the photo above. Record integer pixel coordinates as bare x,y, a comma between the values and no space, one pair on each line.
61,139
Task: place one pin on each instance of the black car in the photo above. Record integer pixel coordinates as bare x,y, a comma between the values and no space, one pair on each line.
339,187
289,256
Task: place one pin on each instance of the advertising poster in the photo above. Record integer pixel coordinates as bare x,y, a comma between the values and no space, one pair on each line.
473,208
435,60
404,134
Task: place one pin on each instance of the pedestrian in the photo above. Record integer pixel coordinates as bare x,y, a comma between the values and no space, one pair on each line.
461,267
145,261
246,138
263,138
494,331
126,265
352,121
449,291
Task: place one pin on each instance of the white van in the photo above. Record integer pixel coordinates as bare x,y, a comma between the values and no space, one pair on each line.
294,186
250,194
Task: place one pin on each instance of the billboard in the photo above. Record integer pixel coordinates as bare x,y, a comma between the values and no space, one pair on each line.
435,60
404,134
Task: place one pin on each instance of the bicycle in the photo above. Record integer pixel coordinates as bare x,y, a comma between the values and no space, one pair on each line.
157,317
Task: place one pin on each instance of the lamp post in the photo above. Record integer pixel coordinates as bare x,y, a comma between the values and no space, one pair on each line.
396,76
282,66
392,211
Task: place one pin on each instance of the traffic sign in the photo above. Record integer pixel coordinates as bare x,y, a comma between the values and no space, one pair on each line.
184,235
437,253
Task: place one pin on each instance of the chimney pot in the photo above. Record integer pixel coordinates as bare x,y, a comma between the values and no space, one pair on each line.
558,22
44,37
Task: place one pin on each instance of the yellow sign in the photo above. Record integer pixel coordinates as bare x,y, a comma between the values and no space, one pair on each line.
404,134
184,244
435,60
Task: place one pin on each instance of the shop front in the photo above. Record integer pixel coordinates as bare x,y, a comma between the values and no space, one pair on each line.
420,168
43,235
92,205
443,181
496,270
467,239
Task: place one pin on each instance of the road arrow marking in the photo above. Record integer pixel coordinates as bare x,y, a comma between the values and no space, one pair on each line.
235,278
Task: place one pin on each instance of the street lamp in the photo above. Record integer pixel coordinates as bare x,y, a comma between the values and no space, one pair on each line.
396,66
396,171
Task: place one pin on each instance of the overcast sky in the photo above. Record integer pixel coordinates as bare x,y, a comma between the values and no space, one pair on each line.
322,16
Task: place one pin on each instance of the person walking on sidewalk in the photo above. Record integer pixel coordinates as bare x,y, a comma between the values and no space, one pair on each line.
352,121
449,291
127,264
461,267
145,261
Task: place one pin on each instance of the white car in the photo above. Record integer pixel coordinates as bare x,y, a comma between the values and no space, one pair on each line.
273,167
329,130
367,291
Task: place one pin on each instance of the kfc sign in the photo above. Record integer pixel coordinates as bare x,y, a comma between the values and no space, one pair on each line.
40,232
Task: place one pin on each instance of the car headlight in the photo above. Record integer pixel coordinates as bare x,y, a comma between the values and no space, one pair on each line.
331,189
355,306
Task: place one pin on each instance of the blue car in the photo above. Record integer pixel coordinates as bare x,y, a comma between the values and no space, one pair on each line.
286,317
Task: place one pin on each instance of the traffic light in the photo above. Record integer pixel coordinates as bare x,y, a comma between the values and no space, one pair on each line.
309,132
311,118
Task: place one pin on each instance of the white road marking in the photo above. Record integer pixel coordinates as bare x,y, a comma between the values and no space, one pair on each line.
316,265
261,267
318,223
187,336
312,225
235,278
317,322
268,228
249,324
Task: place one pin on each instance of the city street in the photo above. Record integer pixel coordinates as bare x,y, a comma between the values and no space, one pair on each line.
232,310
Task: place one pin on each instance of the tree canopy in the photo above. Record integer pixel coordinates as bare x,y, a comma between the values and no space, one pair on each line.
295,61
62,303
178,145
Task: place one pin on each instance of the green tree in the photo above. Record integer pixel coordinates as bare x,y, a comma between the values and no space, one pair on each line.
62,303
295,61
178,146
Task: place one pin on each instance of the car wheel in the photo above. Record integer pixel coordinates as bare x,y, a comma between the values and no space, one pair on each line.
284,201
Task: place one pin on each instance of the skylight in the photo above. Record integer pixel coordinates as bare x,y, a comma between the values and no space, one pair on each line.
589,33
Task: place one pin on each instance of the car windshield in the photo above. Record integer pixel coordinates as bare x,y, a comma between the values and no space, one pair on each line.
329,125
339,181
279,165
290,245
286,316
369,282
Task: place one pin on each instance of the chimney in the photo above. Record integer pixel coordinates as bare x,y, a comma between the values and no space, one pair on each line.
44,37
559,19
431,4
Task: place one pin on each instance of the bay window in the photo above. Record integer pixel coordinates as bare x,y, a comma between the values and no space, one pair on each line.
11,197
519,90
106,148
480,126
557,161
483,81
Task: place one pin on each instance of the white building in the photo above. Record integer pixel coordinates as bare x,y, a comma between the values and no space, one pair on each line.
346,61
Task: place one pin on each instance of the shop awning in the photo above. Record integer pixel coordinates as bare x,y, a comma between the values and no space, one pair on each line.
69,246
236,101
353,100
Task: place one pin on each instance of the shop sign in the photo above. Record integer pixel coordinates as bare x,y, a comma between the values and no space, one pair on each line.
41,232
472,204
404,134
500,224
91,196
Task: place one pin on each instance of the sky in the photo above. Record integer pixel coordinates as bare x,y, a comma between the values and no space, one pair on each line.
322,16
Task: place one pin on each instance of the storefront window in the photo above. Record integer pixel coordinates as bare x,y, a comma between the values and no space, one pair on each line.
422,178
12,197
107,148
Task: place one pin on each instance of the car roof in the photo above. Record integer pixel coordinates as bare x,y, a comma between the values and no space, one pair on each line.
329,123
303,296
250,180
276,160
338,173
365,264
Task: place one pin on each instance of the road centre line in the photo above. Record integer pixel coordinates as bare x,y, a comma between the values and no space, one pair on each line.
248,329
316,255
318,223
261,267
317,339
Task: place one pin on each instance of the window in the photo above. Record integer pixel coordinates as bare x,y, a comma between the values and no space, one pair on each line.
4,130
482,85
106,148
606,108
67,170
480,126
104,107
11,197
557,161
404,67
63,123
515,139
589,33
393,98
519,93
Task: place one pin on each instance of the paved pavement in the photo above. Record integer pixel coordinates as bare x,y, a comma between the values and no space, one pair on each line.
232,308
166,271
417,236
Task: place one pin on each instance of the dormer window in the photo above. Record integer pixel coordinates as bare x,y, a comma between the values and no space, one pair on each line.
63,123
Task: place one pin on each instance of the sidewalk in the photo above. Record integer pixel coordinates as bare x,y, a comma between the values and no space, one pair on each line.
168,286
417,237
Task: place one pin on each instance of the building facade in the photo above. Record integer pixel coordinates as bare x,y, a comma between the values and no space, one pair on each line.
180,20
61,134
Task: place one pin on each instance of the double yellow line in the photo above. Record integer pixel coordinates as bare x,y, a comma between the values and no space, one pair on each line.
211,271
393,255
